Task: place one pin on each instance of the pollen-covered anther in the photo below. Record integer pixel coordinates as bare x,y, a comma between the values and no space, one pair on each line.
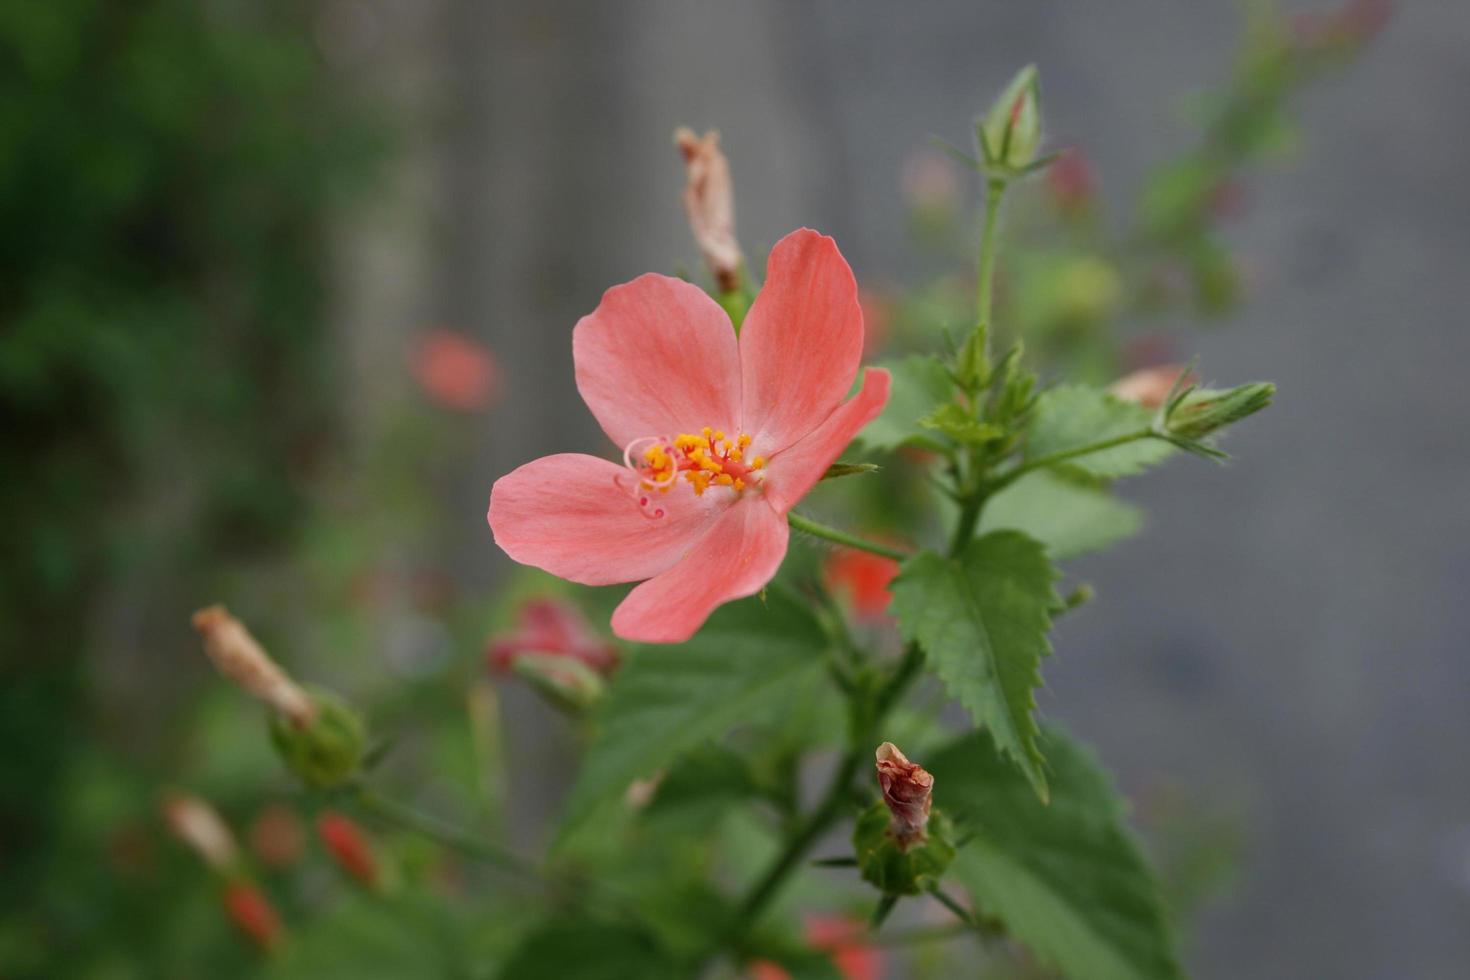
707,459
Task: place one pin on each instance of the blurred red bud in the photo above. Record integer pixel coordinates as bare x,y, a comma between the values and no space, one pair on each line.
253,914
864,578
276,836
1150,386
555,628
456,372
1071,183
349,847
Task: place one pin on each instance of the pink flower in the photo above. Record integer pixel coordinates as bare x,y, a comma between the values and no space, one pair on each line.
552,627
455,371
721,437
842,939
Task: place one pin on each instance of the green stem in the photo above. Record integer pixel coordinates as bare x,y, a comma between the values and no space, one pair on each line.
406,817
964,528
834,800
1061,456
809,526
985,272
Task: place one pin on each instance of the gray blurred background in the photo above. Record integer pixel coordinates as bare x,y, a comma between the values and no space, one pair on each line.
1287,639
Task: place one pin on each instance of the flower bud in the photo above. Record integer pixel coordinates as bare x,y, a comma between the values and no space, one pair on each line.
1203,411
253,914
1150,386
328,751
567,682
906,792
709,203
200,827
348,845
555,628
276,837
1010,134
237,655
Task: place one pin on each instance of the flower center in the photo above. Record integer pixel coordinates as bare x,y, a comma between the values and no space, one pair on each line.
708,459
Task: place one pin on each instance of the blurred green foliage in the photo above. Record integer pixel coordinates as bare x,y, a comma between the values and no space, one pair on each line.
167,168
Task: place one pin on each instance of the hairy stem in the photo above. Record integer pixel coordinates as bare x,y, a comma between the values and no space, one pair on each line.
985,271
809,526
834,801
416,821
1061,456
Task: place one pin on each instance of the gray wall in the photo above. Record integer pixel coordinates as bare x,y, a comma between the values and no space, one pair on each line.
1288,637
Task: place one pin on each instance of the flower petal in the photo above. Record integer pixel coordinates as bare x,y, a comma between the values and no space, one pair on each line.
658,357
565,514
736,557
801,342
790,474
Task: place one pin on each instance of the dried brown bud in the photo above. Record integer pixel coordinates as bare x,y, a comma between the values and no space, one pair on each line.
709,201
907,791
200,827
237,655
1150,386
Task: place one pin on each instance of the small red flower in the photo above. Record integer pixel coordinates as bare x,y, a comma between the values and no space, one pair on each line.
348,845
253,914
455,371
864,579
552,626
842,938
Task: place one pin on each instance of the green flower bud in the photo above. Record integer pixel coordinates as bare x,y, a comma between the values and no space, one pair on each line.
327,749
1010,133
1203,411
896,869
566,681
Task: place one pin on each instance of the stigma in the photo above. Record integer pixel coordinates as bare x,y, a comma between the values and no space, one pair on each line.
704,460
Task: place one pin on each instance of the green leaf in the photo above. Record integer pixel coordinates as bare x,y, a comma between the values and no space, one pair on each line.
982,620
669,699
1072,416
1070,514
1067,879
840,469
587,950
952,420
921,383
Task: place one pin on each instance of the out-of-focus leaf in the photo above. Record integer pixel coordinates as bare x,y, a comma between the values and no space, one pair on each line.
982,620
1069,513
668,699
1072,416
579,949
1067,879
920,384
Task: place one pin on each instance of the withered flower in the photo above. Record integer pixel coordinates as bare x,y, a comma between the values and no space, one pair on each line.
907,790
709,201
237,655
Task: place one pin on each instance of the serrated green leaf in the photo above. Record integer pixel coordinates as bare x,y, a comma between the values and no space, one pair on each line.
1072,416
920,384
952,420
1070,514
667,700
982,621
1067,879
587,950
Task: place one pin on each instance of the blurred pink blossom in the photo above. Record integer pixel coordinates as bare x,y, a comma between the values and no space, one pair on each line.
456,372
